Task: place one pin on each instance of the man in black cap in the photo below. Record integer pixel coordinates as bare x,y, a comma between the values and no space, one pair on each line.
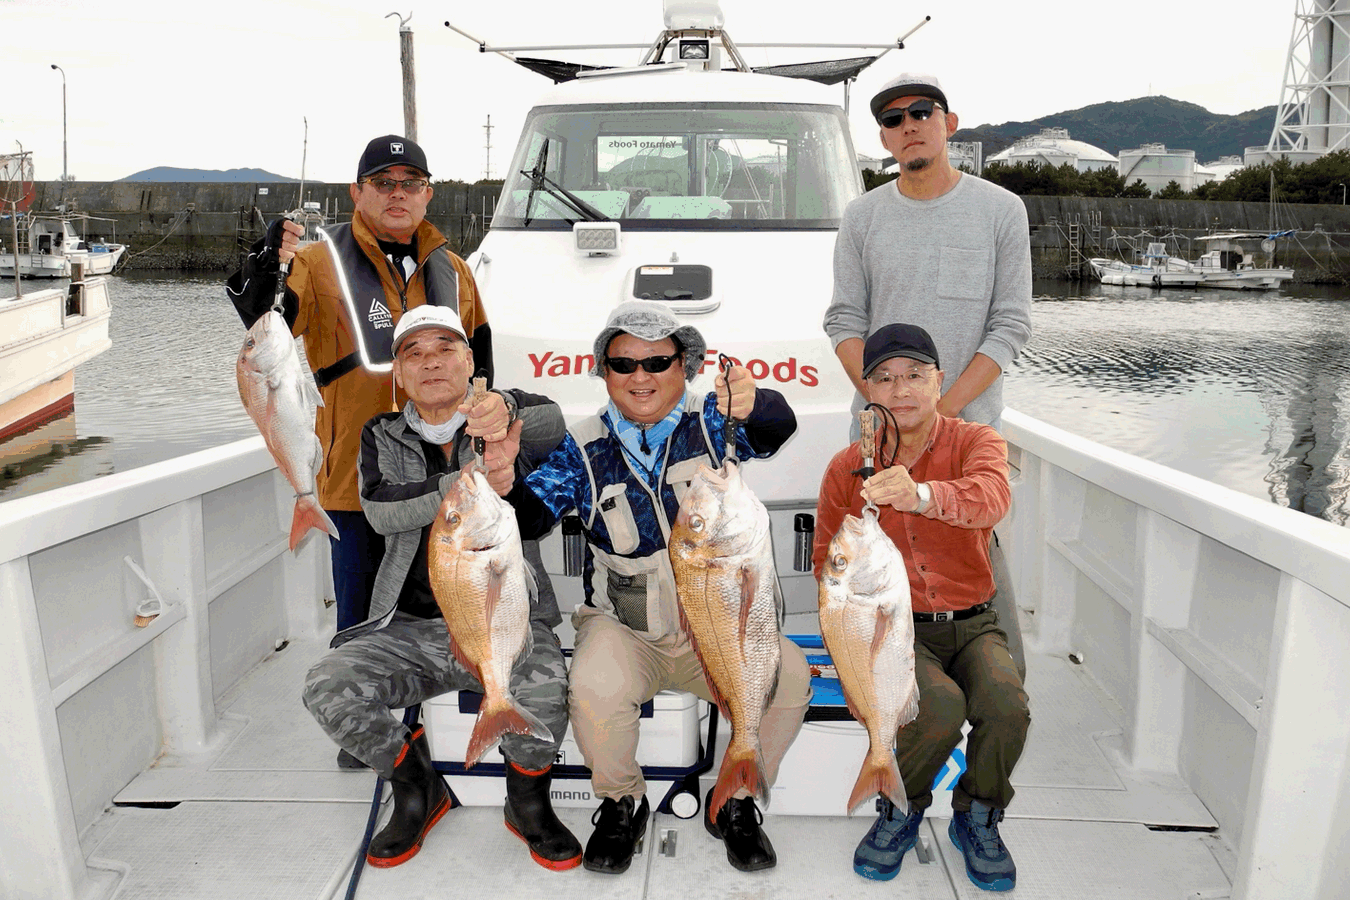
345,294
940,486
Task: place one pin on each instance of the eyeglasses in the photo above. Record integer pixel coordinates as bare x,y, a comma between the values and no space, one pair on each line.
919,111
888,380
626,365
409,185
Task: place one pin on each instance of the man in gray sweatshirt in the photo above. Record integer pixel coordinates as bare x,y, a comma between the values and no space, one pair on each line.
951,253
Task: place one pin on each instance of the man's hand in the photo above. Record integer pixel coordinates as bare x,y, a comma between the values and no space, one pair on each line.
487,419
291,232
742,392
893,486
500,458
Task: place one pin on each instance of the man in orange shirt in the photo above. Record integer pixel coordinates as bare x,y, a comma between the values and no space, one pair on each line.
941,486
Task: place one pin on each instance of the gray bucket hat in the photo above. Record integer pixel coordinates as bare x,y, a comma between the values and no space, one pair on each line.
649,320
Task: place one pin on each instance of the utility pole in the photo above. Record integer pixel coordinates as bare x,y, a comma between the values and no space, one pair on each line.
65,172
405,56
487,165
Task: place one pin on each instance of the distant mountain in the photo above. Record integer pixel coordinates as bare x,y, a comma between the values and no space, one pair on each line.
170,173
1129,124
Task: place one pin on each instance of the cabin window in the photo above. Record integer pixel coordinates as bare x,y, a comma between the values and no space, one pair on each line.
699,166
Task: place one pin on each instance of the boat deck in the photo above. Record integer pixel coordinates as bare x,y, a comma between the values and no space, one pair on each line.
268,814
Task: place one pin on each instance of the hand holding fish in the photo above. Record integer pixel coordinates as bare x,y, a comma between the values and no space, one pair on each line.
893,486
742,392
291,232
500,459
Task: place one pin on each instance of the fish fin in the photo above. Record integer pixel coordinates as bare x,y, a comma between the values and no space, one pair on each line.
463,659
498,718
310,389
749,579
879,775
879,634
496,571
910,711
743,769
308,514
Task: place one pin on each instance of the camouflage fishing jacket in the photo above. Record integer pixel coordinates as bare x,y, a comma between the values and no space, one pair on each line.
400,499
626,523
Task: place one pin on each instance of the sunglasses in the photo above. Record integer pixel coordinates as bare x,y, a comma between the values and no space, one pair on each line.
409,186
626,365
919,111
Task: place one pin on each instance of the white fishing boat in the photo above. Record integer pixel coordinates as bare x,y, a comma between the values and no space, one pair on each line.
1158,269
1226,264
51,246
44,336
1186,644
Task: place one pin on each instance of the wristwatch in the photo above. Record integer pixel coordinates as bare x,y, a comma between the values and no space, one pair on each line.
925,494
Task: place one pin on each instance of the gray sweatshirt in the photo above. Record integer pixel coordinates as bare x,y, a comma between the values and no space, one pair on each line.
958,266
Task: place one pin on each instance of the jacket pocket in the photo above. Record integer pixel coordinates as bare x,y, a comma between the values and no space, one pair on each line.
618,517
963,274
679,474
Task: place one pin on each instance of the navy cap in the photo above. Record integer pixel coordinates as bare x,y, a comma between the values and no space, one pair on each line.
391,150
890,341
909,84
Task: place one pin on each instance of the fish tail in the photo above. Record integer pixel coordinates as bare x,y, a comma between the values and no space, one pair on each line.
740,769
879,775
496,718
308,514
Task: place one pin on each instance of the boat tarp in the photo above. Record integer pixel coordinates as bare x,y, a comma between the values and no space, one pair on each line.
829,71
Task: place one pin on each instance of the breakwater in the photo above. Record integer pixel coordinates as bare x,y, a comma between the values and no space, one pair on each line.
204,226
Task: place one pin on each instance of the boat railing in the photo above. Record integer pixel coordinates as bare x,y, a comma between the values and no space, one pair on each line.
1218,622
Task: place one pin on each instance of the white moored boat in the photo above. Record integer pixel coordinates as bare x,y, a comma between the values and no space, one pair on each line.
1224,265
50,247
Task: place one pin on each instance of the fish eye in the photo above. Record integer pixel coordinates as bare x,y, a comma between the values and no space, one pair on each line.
839,561
696,523
249,343
452,519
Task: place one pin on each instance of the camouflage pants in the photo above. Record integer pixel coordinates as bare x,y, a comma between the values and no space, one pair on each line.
351,690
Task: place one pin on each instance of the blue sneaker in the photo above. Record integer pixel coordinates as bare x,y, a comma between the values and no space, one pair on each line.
878,855
975,834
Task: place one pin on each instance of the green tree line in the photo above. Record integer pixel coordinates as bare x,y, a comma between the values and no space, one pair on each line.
1324,180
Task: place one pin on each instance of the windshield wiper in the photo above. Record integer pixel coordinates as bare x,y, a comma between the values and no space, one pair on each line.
540,181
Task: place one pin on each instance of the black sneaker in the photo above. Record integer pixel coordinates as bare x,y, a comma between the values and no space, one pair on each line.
737,825
618,826
988,862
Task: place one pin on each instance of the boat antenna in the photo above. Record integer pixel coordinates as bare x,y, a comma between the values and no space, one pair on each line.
304,157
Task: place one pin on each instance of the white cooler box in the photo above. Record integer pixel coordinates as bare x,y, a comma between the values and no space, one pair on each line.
821,767
669,736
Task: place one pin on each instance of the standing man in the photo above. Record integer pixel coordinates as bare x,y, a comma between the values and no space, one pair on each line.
345,294
941,485
624,472
948,251
401,654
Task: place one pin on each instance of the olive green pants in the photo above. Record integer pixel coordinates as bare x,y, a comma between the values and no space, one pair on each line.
964,672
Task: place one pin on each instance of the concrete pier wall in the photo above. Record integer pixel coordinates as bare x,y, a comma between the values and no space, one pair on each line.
205,225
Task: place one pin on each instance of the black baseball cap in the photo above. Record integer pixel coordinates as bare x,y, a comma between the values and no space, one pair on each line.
891,341
909,84
391,150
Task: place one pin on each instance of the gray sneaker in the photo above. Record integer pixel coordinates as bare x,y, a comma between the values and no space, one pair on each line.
890,838
975,834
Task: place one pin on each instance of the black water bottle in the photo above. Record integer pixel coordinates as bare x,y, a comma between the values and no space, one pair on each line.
804,535
574,546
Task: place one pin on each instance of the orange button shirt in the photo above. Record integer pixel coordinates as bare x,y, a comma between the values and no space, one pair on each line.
946,548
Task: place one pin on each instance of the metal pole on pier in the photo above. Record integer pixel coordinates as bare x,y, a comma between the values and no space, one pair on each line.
405,55
65,172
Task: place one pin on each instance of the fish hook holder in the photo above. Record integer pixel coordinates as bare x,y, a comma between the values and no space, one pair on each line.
867,429
725,363
283,271
477,395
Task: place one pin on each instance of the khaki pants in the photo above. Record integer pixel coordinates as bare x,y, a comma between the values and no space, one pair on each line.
615,670
964,672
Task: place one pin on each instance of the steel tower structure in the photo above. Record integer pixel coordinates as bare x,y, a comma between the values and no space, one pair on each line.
1313,117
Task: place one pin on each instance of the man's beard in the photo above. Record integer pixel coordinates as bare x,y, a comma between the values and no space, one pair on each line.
917,165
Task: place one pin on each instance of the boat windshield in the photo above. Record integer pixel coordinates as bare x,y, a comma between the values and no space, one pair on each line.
688,166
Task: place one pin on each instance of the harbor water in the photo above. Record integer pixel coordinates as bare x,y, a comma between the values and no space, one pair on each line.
1247,389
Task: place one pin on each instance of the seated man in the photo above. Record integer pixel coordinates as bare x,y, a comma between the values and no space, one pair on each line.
624,471
401,654
941,485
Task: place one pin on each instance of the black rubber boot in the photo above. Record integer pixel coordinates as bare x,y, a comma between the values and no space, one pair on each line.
617,829
737,826
420,799
529,815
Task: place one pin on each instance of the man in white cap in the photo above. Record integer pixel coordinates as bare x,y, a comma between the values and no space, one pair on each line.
400,655
623,471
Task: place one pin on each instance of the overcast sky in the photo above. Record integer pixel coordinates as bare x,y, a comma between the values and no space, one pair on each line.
228,85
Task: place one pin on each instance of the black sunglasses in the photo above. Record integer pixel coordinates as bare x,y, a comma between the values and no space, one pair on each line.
919,111
626,365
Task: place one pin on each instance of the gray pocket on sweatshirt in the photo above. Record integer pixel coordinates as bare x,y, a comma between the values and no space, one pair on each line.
963,274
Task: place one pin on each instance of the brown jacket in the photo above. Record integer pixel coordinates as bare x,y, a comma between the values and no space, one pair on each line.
351,400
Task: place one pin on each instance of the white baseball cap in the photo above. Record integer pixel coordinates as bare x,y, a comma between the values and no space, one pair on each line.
423,317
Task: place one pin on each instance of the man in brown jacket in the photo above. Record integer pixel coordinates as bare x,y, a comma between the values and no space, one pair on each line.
344,294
